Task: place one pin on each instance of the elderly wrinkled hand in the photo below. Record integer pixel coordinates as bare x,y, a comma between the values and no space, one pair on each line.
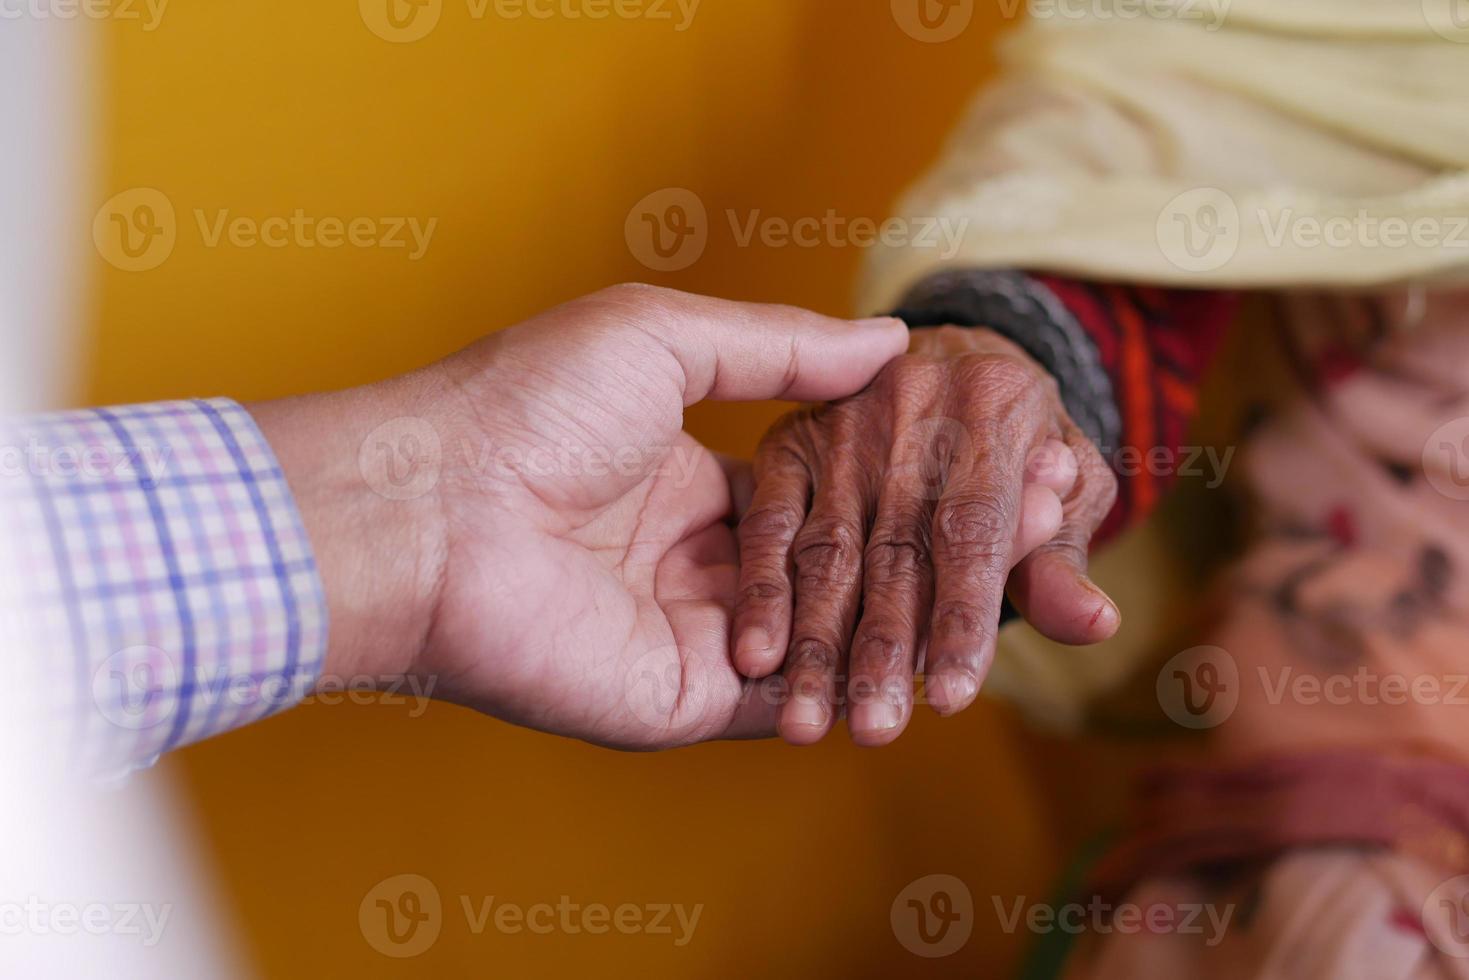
572,567
885,527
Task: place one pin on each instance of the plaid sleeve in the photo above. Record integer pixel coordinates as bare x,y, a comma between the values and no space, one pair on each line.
166,578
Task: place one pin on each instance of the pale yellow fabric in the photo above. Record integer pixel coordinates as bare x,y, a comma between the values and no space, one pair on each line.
1108,137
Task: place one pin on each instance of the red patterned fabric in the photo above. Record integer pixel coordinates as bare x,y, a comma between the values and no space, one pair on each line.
1155,344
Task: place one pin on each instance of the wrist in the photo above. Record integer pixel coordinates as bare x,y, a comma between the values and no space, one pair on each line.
954,341
363,471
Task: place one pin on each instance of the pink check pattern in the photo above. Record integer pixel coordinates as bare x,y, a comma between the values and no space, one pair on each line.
168,587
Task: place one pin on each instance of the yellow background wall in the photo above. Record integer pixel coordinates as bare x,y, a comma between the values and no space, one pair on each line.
529,140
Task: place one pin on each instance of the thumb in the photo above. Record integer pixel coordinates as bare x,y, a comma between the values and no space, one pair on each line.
749,351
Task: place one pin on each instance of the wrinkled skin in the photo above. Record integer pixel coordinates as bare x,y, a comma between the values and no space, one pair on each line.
884,529
573,567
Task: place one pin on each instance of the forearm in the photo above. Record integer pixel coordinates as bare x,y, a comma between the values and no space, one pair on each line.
364,471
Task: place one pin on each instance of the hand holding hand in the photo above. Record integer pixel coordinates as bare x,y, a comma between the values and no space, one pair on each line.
572,566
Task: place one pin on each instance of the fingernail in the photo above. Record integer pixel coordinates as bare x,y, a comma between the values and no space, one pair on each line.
806,712
878,322
1108,611
754,645
955,690
877,717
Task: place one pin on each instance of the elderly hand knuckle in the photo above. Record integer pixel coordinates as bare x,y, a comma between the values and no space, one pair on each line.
813,654
958,618
769,525
761,591
879,651
980,522
896,560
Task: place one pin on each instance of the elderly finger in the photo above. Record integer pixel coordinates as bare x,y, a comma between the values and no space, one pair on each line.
897,590
1051,587
1052,465
828,559
767,533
